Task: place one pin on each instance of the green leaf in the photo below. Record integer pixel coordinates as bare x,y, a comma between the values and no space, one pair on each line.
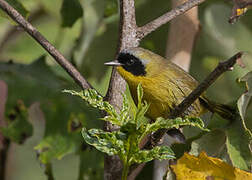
125,111
64,115
91,164
162,123
18,128
238,142
227,39
212,143
110,8
244,100
139,95
107,142
238,135
125,141
16,5
92,26
71,11
54,146
158,152
95,100
141,109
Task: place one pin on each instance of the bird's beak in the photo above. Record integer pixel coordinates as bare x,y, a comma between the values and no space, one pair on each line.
113,63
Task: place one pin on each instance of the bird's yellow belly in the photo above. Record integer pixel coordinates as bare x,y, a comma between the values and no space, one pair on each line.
158,110
159,100
162,102
161,93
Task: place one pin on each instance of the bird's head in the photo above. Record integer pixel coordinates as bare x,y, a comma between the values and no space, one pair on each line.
137,62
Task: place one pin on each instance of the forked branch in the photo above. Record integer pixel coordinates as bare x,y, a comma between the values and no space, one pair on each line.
153,25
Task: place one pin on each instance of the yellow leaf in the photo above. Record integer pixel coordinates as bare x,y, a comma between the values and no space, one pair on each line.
241,11
204,167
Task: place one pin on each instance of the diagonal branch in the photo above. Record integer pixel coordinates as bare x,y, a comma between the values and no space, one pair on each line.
178,111
70,69
153,25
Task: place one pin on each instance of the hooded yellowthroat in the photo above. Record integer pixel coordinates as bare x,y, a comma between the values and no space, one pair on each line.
164,84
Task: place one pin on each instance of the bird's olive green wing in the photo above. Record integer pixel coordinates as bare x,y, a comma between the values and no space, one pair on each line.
181,78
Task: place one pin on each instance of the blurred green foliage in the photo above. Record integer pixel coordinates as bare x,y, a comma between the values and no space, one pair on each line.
70,11
33,77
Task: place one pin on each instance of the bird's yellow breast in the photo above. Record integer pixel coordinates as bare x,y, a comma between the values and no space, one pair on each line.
160,91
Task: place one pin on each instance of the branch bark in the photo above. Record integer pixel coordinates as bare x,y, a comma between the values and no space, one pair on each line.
153,25
127,38
70,69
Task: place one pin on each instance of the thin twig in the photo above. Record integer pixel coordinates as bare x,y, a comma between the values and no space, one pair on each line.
153,25
178,111
220,69
241,5
70,69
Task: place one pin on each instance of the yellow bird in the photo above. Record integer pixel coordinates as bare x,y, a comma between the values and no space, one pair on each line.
164,84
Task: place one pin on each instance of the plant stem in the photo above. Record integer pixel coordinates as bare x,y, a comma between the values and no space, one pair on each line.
125,169
48,171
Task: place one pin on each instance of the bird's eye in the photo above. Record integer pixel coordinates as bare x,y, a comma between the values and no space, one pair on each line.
130,62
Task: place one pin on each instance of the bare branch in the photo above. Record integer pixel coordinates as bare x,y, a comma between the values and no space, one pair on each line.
153,25
70,69
239,9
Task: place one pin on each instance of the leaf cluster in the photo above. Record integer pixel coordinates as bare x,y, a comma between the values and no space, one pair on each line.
134,128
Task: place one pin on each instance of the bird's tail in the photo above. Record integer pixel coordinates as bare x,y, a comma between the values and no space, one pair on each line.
225,111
